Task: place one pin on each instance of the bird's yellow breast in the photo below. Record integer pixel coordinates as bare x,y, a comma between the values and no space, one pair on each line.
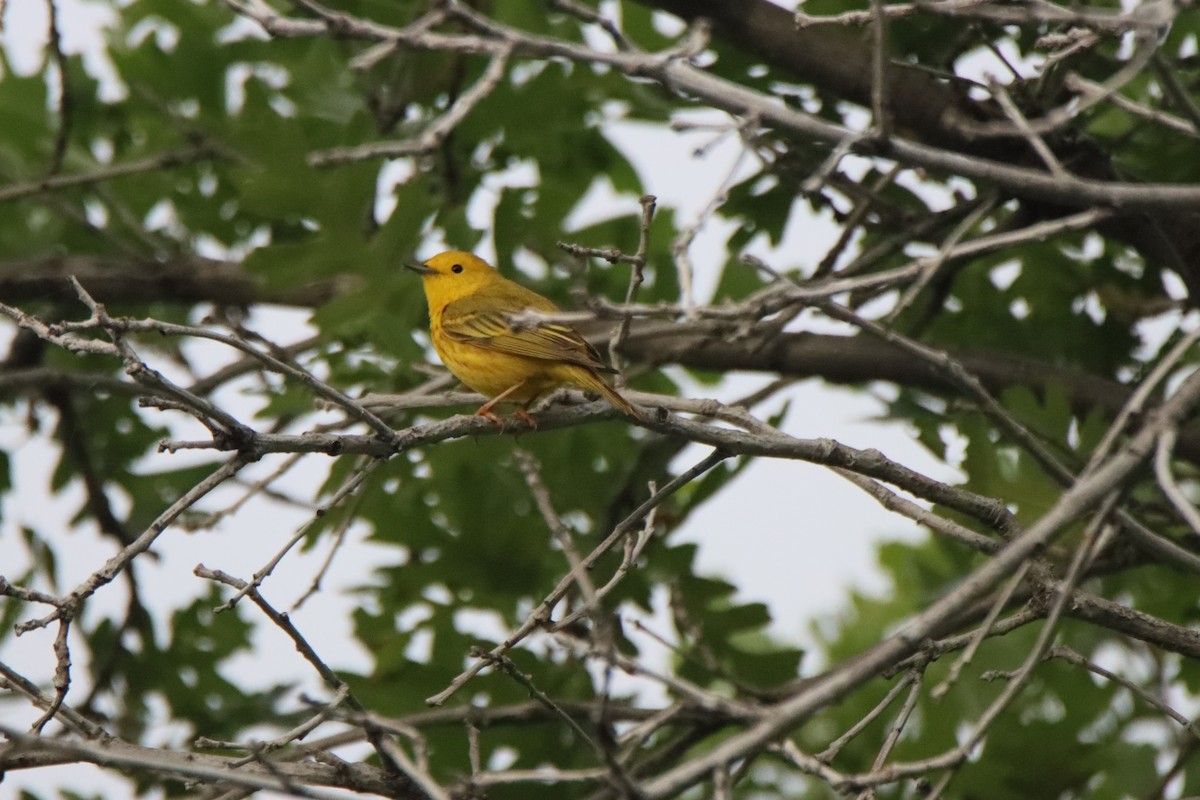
491,372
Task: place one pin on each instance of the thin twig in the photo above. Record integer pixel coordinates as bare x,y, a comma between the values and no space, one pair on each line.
354,480
835,747
880,122
1033,137
1168,484
62,136
636,277
51,183
433,136
893,734
284,623
541,613
932,266
1002,597
531,471
1067,654
681,246
67,606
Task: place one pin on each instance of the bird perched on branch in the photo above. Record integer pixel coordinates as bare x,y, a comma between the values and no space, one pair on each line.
470,306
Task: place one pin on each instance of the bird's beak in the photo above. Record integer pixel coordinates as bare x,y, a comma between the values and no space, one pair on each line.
422,269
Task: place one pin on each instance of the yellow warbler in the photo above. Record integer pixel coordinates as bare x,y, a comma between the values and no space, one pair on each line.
469,308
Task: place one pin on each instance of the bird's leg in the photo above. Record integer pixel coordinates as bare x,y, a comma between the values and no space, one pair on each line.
485,410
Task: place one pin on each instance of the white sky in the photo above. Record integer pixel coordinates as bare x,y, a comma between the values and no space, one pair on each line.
792,535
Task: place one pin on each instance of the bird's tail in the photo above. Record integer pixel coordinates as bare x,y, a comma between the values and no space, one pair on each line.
593,382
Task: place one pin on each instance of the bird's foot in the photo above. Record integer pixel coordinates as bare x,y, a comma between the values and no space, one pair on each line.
526,417
487,414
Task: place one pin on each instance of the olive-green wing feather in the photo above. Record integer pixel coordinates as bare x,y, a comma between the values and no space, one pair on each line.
477,320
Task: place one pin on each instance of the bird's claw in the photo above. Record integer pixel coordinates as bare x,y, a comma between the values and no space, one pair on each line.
520,413
490,417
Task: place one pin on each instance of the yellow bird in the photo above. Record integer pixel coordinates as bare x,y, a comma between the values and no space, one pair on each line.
469,306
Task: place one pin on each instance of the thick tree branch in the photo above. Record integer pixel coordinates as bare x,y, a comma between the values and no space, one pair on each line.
860,359
837,60
834,58
932,622
30,752
188,280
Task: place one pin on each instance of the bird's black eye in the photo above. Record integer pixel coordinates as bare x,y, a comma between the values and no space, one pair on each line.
456,268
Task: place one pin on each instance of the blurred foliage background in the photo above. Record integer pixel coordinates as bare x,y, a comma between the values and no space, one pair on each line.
182,174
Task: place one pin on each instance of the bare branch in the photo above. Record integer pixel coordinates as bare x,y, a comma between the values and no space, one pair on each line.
1075,501
52,183
433,136
67,606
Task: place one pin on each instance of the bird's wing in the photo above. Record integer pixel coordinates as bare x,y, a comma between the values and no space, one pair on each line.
476,320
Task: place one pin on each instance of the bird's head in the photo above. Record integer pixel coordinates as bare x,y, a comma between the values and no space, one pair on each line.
454,274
